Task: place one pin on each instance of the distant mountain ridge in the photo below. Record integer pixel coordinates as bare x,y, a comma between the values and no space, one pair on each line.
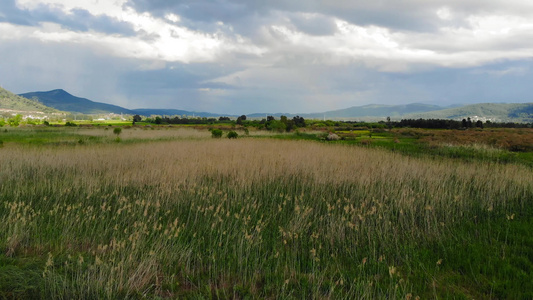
62,100
499,112
175,112
496,112
376,110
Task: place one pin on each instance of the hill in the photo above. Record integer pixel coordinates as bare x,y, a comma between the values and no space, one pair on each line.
375,110
13,102
496,112
173,112
64,101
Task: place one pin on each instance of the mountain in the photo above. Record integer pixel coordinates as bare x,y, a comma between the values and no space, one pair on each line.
64,101
375,110
371,111
10,101
496,112
174,112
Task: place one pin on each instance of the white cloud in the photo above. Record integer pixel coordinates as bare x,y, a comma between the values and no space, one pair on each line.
168,42
444,13
483,40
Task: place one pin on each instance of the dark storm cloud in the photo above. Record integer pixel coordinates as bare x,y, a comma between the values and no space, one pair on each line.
83,20
77,20
405,15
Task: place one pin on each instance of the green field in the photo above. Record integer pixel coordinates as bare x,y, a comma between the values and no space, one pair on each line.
171,213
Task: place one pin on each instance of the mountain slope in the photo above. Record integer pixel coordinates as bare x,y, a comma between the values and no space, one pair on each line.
11,101
497,112
62,100
371,110
376,110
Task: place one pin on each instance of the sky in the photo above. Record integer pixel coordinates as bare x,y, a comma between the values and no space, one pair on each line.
245,56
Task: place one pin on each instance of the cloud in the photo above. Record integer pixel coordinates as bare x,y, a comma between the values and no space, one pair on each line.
154,38
75,19
412,15
248,56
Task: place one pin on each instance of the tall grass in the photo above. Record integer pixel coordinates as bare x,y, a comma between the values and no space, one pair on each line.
261,219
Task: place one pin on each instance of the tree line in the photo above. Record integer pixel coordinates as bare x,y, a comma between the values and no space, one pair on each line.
454,124
285,123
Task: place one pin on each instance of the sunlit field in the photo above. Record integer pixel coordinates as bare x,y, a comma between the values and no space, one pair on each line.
254,218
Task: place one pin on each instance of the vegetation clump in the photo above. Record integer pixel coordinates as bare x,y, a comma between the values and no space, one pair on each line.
332,137
216,133
232,135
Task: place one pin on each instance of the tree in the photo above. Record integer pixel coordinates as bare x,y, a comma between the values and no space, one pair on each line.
469,122
240,119
158,120
479,124
298,121
136,119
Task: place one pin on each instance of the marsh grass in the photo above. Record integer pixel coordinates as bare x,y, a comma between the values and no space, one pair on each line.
260,218
72,136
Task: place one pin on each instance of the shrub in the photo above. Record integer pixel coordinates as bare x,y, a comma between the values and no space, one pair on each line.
71,124
216,133
15,121
332,137
117,131
232,135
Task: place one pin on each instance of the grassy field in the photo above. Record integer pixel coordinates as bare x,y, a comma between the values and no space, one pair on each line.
500,145
173,213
